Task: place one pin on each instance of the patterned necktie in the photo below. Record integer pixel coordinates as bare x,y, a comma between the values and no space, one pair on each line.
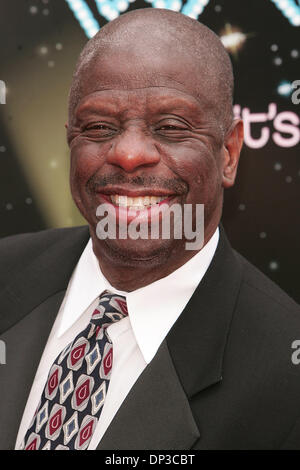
77,384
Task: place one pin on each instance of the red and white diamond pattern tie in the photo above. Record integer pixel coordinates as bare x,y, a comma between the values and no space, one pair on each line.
77,384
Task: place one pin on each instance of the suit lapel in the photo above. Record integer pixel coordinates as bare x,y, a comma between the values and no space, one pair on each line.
29,304
25,343
199,336
157,413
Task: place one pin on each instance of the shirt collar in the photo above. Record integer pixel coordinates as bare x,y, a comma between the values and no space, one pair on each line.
152,309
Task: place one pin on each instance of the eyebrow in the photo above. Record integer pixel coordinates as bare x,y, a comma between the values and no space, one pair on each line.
95,107
175,103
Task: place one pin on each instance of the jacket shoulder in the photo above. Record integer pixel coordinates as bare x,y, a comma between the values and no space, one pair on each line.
260,369
265,327
262,289
17,251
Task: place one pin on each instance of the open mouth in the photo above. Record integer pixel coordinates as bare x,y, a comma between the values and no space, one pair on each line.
143,208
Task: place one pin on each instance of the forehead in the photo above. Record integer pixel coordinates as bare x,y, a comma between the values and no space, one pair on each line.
125,74
137,102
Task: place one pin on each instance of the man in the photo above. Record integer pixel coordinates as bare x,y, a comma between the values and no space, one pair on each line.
203,360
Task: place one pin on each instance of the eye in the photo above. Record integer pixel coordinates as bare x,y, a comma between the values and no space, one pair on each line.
175,128
169,127
99,130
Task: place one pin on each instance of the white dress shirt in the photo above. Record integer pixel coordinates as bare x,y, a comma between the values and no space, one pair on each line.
152,311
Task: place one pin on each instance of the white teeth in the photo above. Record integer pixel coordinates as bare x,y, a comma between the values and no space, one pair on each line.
153,200
122,200
136,202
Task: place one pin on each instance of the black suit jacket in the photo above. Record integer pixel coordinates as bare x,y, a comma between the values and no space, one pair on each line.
222,379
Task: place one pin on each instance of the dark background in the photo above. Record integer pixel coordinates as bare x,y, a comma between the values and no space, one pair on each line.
40,42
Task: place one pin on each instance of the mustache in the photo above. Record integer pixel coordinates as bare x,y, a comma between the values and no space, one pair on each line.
176,185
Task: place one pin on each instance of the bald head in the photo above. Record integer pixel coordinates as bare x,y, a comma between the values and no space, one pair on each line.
150,36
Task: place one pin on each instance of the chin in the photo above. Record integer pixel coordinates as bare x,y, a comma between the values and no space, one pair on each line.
136,252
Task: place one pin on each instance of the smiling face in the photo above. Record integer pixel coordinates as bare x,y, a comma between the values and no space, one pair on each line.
147,125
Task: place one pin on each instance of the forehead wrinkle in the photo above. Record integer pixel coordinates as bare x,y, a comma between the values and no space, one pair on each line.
89,104
104,101
141,77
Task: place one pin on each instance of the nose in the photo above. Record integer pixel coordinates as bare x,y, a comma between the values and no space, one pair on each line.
133,149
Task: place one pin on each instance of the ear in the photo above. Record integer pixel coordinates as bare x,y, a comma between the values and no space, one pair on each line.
67,133
233,143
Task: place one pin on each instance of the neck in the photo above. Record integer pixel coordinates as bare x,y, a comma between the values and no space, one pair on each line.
127,274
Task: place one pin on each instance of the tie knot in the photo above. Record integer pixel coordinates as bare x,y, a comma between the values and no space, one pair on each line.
111,308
